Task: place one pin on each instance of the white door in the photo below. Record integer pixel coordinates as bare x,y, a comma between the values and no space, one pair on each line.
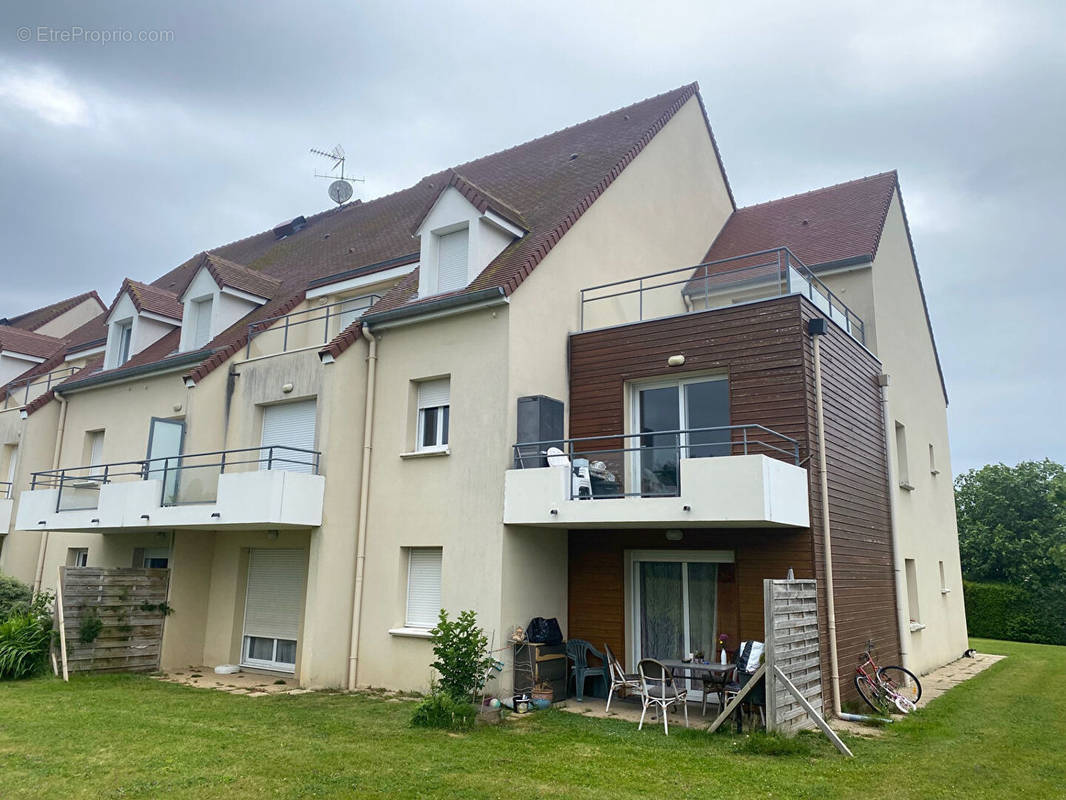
273,608
289,428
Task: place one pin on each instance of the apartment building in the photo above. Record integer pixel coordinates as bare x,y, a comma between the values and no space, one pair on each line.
323,430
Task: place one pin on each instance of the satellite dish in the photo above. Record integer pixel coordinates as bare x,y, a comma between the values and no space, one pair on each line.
340,192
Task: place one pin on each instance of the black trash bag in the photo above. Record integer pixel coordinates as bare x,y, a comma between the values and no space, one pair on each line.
544,631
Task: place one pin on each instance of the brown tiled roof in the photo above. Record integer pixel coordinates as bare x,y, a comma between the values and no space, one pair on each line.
32,320
538,185
28,343
152,299
477,197
839,224
834,224
229,274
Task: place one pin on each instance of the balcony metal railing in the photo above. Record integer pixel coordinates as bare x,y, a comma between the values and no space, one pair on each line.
648,464
188,479
22,392
716,284
5,490
300,328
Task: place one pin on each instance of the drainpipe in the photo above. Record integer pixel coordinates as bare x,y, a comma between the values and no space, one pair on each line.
817,328
902,615
56,452
364,496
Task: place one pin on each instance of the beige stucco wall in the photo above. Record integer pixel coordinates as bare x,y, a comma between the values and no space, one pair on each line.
71,320
888,298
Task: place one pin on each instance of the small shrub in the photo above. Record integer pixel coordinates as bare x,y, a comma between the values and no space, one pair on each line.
15,597
24,642
440,710
462,653
90,628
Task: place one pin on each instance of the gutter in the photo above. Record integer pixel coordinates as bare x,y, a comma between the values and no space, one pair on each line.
364,495
902,614
446,306
56,453
156,367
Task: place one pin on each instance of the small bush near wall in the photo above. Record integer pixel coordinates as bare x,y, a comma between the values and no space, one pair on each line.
15,596
1016,613
25,638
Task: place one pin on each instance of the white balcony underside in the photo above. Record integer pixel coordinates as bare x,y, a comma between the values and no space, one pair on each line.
725,492
5,515
246,501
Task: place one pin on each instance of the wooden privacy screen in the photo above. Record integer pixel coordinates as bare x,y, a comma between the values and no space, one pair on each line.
130,604
791,614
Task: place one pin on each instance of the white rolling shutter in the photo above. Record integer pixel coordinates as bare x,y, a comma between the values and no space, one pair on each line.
275,596
452,251
423,587
289,425
434,393
96,448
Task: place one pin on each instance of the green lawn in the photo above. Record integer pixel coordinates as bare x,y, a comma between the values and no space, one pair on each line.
999,735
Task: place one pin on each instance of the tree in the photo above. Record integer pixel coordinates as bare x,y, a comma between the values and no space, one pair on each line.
1012,523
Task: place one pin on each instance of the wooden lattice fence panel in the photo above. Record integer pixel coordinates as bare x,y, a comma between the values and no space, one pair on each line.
792,646
131,635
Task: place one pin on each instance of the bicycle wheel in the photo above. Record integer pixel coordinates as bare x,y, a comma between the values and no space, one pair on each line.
901,681
872,694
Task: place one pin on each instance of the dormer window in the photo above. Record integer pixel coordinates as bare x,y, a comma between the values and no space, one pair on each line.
461,232
201,320
124,331
453,250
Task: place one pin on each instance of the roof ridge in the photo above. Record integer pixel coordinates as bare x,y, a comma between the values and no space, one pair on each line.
820,189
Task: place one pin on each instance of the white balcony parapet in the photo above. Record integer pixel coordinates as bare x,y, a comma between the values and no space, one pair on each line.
252,499
5,514
719,492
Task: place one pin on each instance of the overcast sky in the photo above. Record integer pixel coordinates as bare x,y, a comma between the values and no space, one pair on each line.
123,158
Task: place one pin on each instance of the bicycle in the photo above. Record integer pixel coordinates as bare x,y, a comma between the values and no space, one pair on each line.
885,688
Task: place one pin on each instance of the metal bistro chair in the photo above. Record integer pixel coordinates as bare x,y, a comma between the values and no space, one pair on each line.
658,689
577,650
621,681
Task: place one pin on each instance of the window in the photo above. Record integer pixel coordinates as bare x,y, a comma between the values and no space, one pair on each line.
901,457
94,446
452,253
273,608
423,587
434,398
912,592
77,556
289,436
351,310
697,407
202,320
932,461
943,580
124,331
11,455
155,558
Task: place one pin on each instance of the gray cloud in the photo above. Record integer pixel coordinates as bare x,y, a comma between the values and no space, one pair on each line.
126,158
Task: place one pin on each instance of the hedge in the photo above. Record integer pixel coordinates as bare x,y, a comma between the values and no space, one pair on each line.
1016,613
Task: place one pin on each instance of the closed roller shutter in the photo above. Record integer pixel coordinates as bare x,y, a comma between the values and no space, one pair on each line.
289,425
275,593
423,587
451,261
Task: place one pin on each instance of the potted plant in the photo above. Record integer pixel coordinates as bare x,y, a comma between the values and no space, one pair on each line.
543,695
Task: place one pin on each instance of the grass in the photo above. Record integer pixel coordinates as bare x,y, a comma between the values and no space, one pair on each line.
996,736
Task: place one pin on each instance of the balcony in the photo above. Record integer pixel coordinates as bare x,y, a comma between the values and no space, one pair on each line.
735,476
714,284
5,507
308,328
253,488
24,392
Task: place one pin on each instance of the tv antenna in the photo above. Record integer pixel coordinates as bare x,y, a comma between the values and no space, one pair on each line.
340,190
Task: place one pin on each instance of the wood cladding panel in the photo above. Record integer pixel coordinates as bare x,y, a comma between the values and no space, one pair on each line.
766,353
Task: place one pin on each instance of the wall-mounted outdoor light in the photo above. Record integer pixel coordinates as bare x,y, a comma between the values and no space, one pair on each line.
676,361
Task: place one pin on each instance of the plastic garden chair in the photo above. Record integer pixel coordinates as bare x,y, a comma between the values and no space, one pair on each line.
577,650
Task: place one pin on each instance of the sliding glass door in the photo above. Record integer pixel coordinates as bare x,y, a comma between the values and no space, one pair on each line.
669,417
673,597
